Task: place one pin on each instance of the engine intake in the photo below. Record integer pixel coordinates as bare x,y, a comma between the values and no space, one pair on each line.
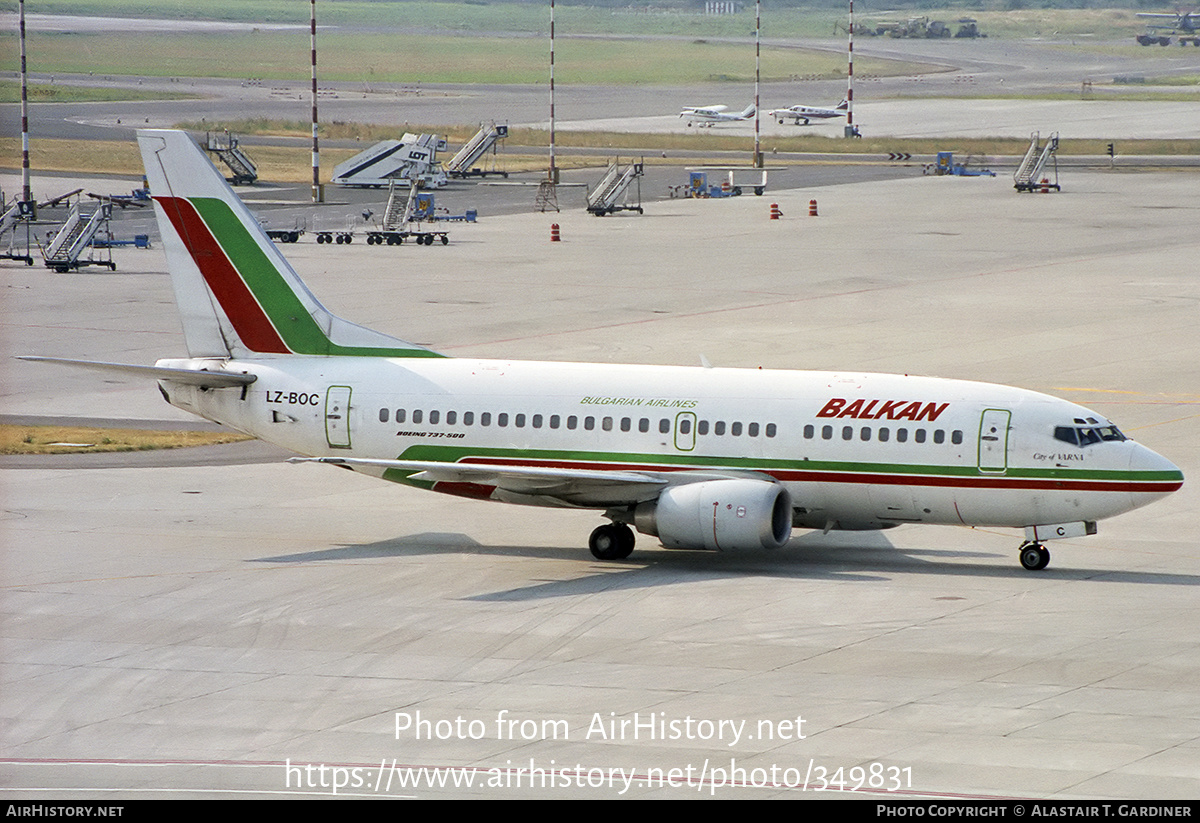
719,514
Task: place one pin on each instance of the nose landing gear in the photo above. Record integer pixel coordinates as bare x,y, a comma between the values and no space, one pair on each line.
1034,556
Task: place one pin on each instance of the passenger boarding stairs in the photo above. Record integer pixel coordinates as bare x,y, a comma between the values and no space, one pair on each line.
400,206
10,217
66,249
485,139
1030,173
231,154
608,194
15,216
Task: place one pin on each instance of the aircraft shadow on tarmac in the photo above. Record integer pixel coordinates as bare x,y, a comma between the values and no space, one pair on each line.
866,557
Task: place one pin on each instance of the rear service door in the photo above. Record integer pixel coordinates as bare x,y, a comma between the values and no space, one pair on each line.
337,417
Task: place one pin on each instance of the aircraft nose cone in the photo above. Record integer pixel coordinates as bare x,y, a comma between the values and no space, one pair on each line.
1152,467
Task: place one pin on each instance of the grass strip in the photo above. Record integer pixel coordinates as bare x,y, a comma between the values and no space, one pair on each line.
16,439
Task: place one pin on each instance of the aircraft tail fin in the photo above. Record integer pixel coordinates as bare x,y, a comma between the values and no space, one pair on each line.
845,104
236,292
748,112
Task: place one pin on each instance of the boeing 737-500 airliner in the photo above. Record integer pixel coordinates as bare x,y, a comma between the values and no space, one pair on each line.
701,458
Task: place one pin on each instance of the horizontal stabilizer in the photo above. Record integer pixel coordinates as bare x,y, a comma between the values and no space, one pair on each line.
191,377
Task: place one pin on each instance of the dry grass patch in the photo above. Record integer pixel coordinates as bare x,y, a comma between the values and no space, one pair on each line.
82,439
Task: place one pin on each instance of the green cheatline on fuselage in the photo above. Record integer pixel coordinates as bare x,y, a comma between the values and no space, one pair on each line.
452,454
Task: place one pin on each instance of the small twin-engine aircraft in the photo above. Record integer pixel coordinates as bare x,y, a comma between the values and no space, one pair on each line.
701,458
807,113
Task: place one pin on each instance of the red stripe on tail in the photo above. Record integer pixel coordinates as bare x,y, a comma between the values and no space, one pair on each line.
249,320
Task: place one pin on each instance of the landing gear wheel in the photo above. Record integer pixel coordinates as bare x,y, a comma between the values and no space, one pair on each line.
612,541
1034,557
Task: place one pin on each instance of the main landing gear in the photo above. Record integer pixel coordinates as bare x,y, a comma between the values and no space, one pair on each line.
612,541
1034,556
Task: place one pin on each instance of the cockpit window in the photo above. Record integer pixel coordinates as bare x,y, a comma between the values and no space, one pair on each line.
1085,435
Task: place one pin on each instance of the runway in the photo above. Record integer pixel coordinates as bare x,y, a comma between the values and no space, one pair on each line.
215,630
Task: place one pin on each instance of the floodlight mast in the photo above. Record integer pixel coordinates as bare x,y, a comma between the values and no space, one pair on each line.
758,158
850,74
553,172
316,154
26,191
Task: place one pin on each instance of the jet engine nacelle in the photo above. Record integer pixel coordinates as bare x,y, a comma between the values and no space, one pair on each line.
719,514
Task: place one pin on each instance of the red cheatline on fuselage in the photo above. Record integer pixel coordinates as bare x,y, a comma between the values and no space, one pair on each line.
866,478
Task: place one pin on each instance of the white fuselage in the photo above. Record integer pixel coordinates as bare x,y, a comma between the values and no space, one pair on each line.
709,115
853,450
805,113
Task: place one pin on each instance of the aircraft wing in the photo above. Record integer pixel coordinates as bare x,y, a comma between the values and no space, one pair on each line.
572,486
